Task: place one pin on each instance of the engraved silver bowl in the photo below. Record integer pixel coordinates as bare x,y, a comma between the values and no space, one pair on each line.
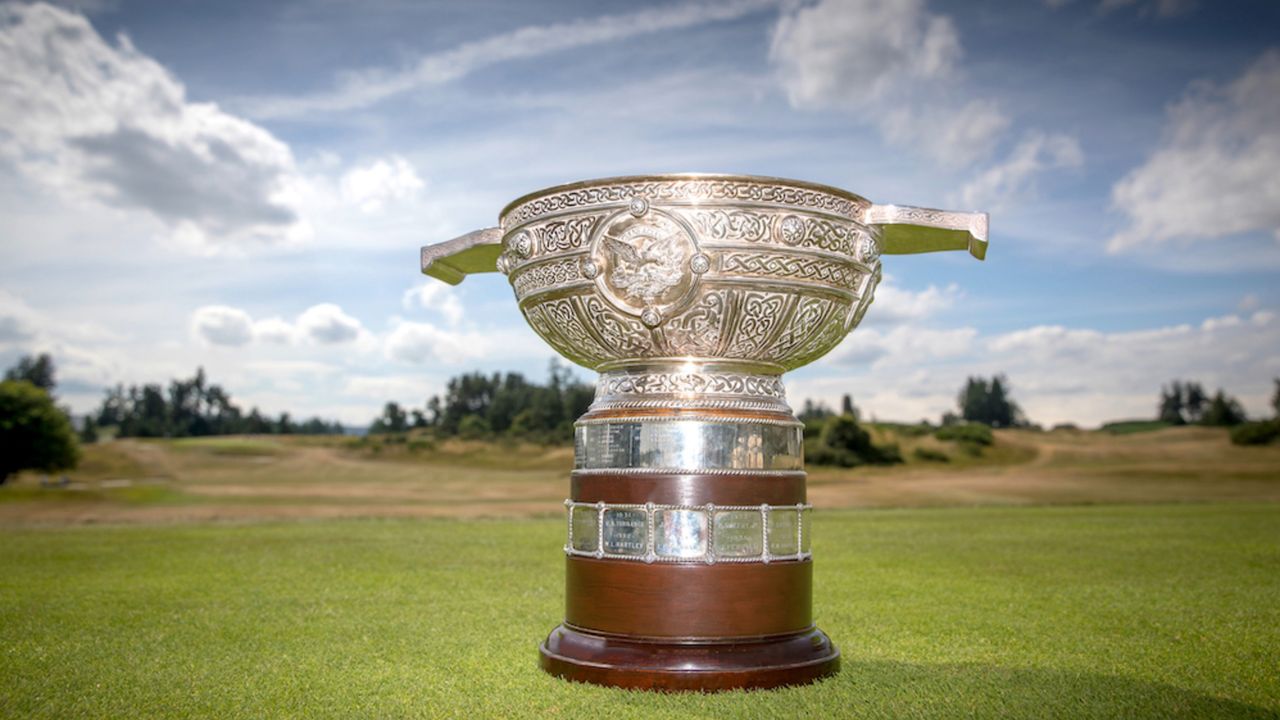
750,275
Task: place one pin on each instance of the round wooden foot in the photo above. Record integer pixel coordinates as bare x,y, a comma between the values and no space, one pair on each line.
706,666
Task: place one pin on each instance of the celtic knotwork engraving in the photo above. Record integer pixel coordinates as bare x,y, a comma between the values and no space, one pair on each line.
623,336
702,383
546,276
563,316
730,225
761,313
677,191
828,335
842,275
809,315
562,235
699,329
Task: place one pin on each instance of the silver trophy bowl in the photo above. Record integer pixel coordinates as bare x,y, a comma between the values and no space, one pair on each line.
751,276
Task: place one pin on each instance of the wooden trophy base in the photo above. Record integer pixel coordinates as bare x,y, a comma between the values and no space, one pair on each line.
582,656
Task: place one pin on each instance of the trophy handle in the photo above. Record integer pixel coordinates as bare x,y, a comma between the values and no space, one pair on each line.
907,230
453,260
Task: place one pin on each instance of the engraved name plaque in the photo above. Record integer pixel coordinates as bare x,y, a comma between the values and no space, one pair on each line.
681,533
739,534
586,533
783,539
625,532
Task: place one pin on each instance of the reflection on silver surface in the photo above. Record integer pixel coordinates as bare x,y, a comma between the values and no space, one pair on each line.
625,532
688,445
680,533
688,533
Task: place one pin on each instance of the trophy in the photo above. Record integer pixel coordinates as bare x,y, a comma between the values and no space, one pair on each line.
688,563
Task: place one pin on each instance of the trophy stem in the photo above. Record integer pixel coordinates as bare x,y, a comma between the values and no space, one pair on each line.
688,563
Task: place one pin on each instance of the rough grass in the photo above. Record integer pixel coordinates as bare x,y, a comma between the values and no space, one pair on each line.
322,477
1155,611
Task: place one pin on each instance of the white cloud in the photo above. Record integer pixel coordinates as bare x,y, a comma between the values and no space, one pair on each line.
323,324
411,389
360,89
106,122
890,63
1001,184
327,324
955,136
372,186
851,52
274,330
418,343
435,296
222,325
1059,374
893,305
1214,173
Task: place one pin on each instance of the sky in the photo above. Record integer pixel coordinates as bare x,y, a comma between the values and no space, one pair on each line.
244,186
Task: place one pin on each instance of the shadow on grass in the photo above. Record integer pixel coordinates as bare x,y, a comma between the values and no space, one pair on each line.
900,689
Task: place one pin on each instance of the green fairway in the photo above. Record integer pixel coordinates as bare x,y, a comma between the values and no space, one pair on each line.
1074,612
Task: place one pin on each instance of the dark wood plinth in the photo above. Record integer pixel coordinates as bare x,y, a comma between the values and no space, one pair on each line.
688,625
688,600
794,659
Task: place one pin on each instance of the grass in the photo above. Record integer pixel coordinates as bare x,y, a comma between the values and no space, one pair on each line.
1126,611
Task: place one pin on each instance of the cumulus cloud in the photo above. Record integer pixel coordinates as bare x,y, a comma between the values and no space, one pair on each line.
436,297
1059,374
418,343
327,324
323,324
222,325
894,305
1214,172
370,187
890,63
105,121
1004,182
851,52
358,89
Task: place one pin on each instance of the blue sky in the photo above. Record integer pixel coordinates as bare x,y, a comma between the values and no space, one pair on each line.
244,186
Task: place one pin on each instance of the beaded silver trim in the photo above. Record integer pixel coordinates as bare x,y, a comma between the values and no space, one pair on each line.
688,532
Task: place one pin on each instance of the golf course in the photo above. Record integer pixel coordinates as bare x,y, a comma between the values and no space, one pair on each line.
1062,574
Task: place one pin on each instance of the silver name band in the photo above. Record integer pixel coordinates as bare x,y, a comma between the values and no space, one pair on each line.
688,445
688,533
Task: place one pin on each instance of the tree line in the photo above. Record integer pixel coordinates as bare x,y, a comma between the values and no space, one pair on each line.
475,405
193,407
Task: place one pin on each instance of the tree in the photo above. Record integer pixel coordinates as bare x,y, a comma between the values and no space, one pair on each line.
844,443
393,420
1223,410
37,370
1275,399
1193,400
1170,409
988,402
34,433
847,407
88,431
